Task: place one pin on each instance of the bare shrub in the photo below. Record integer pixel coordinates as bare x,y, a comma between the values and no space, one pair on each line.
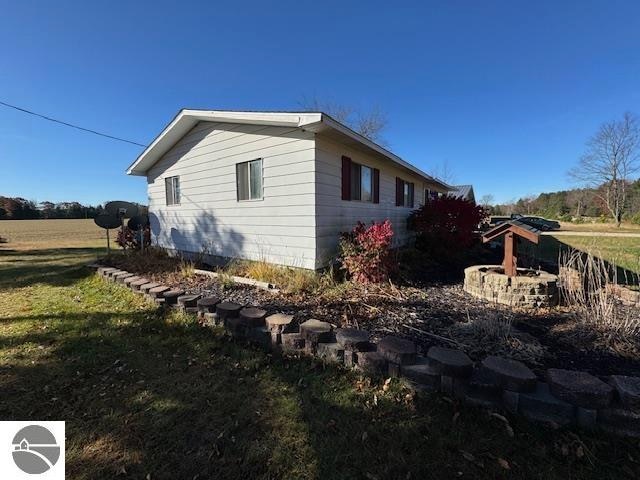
585,287
494,327
492,333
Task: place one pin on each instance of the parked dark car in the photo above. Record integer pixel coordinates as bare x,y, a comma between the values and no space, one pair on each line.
539,223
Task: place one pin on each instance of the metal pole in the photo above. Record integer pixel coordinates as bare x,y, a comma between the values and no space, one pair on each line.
108,244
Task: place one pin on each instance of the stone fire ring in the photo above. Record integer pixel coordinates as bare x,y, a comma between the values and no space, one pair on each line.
527,290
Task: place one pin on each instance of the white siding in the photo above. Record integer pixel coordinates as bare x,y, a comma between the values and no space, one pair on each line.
334,215
301,215
280,228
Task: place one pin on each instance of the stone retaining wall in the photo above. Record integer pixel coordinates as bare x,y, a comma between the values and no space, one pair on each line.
627,296
562,397
524,291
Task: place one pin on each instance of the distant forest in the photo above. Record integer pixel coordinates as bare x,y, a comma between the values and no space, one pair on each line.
573,205
16,208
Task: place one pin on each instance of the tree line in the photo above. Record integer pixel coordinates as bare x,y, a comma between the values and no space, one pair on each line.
17,208
607,175
573,205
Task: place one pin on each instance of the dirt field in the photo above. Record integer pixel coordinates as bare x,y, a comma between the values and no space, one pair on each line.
41,234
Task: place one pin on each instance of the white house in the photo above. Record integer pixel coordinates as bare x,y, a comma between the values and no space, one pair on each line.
272,186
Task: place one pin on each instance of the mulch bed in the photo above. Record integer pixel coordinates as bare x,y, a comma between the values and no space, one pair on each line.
442,315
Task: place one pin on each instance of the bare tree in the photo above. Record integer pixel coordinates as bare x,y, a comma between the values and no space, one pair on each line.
529,203
443,172
609,161
578,199
486,200
369,124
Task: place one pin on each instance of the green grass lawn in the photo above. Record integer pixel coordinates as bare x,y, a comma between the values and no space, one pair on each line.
147,395
623,252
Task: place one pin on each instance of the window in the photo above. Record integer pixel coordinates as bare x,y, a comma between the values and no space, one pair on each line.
249,180
430,195
172,190
360,182
366,182
404,193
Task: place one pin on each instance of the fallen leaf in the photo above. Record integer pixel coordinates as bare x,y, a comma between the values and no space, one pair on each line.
387,385
504,464
467,456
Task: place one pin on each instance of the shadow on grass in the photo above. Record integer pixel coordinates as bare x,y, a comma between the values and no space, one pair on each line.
146,395
548,254
57,267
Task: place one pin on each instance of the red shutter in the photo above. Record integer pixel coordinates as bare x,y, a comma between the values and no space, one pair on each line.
346,178
376,185
411,189
399,191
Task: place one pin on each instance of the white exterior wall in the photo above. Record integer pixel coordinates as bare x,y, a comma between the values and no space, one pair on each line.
334,215
280,228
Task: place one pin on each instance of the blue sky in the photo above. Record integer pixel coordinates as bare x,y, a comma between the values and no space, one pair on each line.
504,92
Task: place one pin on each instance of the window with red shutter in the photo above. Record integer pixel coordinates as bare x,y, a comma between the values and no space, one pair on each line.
411,196
376,185
346,178
360,182
405,195
399,192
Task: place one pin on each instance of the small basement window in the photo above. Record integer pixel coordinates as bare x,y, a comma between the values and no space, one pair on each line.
249,180
172,190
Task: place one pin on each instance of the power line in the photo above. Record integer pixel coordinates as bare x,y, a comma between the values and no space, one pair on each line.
71,125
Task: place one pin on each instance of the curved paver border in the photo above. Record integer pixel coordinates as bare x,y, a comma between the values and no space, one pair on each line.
611,404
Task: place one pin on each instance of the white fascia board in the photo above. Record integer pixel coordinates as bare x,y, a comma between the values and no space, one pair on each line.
185,120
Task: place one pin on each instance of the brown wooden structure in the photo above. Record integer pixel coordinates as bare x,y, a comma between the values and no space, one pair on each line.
511,231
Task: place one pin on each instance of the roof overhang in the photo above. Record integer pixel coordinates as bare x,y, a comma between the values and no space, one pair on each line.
519,228
316,122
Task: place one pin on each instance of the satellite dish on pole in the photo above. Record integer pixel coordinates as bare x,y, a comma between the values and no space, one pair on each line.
121,209
107,221
104,220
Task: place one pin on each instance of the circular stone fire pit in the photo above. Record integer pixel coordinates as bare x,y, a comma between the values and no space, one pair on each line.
529,289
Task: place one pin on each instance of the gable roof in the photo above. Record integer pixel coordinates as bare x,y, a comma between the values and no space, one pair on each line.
462,191
316,122
516,226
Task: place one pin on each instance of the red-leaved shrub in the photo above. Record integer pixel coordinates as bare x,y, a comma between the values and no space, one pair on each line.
445,225
130,239
366,252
